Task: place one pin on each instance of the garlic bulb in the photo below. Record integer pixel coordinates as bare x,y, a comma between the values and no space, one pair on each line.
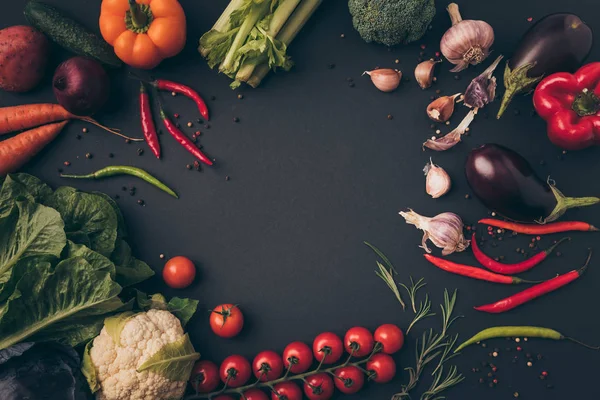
441,109
385,79
467,41
444,230
437,180
424,73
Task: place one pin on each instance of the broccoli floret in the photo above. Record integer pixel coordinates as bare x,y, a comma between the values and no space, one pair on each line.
391,22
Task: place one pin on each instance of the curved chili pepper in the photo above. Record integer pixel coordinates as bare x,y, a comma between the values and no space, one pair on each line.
511,269
516,331
183,140
148,126
540,229
116,170
533,292
473,272
163,84
570,104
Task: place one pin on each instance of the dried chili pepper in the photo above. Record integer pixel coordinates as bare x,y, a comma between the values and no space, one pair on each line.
183,140
533,292
116,170
516,331
163,84
540,229
473,272
148,126
510,269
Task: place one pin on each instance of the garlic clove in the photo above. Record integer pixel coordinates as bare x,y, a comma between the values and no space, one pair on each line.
437,181
385,79
424,73
441,109
453,138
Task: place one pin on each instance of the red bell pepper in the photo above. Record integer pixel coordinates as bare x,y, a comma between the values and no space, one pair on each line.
570,104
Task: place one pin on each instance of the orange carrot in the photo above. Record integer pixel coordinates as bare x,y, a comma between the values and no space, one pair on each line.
31,115
18,150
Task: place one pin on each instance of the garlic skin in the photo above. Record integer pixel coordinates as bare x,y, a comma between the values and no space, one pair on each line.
452,138
424,73
437,180
466,41
444,230
482,89
442,108
385,79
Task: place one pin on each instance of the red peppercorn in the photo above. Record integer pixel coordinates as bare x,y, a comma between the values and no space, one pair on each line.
519,348
529,19
176,115
490,228
544,373
437,53
494,369
495,381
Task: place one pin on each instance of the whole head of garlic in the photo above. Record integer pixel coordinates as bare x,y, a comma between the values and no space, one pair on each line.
437,180
444,230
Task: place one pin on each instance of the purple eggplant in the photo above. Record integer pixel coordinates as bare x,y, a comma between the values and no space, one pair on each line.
505,183
556,43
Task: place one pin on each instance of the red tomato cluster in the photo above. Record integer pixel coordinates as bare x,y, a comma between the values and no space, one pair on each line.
328,348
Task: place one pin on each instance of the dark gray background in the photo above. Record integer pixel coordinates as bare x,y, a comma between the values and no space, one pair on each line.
316,168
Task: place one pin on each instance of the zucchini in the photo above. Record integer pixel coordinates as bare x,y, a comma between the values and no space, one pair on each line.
69,34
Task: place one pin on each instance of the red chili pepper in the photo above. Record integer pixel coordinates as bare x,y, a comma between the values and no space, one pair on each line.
535,291
473,272
540,229
163,84
148,126
570,104
511,269
183,139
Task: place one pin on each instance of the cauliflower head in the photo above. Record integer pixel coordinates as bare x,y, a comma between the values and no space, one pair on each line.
121,369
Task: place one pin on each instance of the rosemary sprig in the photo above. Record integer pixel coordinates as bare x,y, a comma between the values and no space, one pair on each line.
438,385
430,346
422,312
386,273
412,291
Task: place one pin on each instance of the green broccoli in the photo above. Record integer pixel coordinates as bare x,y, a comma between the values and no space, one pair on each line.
391,22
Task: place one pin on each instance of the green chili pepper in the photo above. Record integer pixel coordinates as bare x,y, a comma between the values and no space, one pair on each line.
523,331
116,170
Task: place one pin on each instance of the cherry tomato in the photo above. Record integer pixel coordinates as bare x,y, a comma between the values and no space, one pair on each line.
300,355
286,391
205,376
329,346
179,272
359,340
226,320
349,379
383,366
391,337
318,386
255,394
237,368
267,366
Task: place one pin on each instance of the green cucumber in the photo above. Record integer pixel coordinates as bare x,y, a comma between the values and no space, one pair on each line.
69,34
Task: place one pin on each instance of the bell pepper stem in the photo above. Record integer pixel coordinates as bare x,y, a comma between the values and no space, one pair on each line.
516,81
138,18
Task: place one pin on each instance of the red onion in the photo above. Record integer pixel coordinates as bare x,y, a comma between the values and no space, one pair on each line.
81,85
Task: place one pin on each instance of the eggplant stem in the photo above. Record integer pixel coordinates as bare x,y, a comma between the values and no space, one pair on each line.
564,203
516,81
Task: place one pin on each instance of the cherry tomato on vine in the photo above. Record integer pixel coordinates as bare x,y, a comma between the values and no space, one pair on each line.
328,346
319,386
286,391
267,366
205,376
360,340
300,355
383,366
391,338
179,272
237,369
226,320
255,394
349,379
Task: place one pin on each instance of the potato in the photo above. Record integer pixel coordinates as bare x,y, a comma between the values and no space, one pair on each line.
23,58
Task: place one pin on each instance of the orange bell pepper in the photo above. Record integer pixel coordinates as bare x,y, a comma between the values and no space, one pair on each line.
143,32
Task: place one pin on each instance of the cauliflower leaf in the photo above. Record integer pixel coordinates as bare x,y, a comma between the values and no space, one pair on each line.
174,361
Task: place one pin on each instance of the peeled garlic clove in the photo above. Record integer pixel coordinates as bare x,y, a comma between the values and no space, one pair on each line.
441,109
437,180
424,73
385,79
